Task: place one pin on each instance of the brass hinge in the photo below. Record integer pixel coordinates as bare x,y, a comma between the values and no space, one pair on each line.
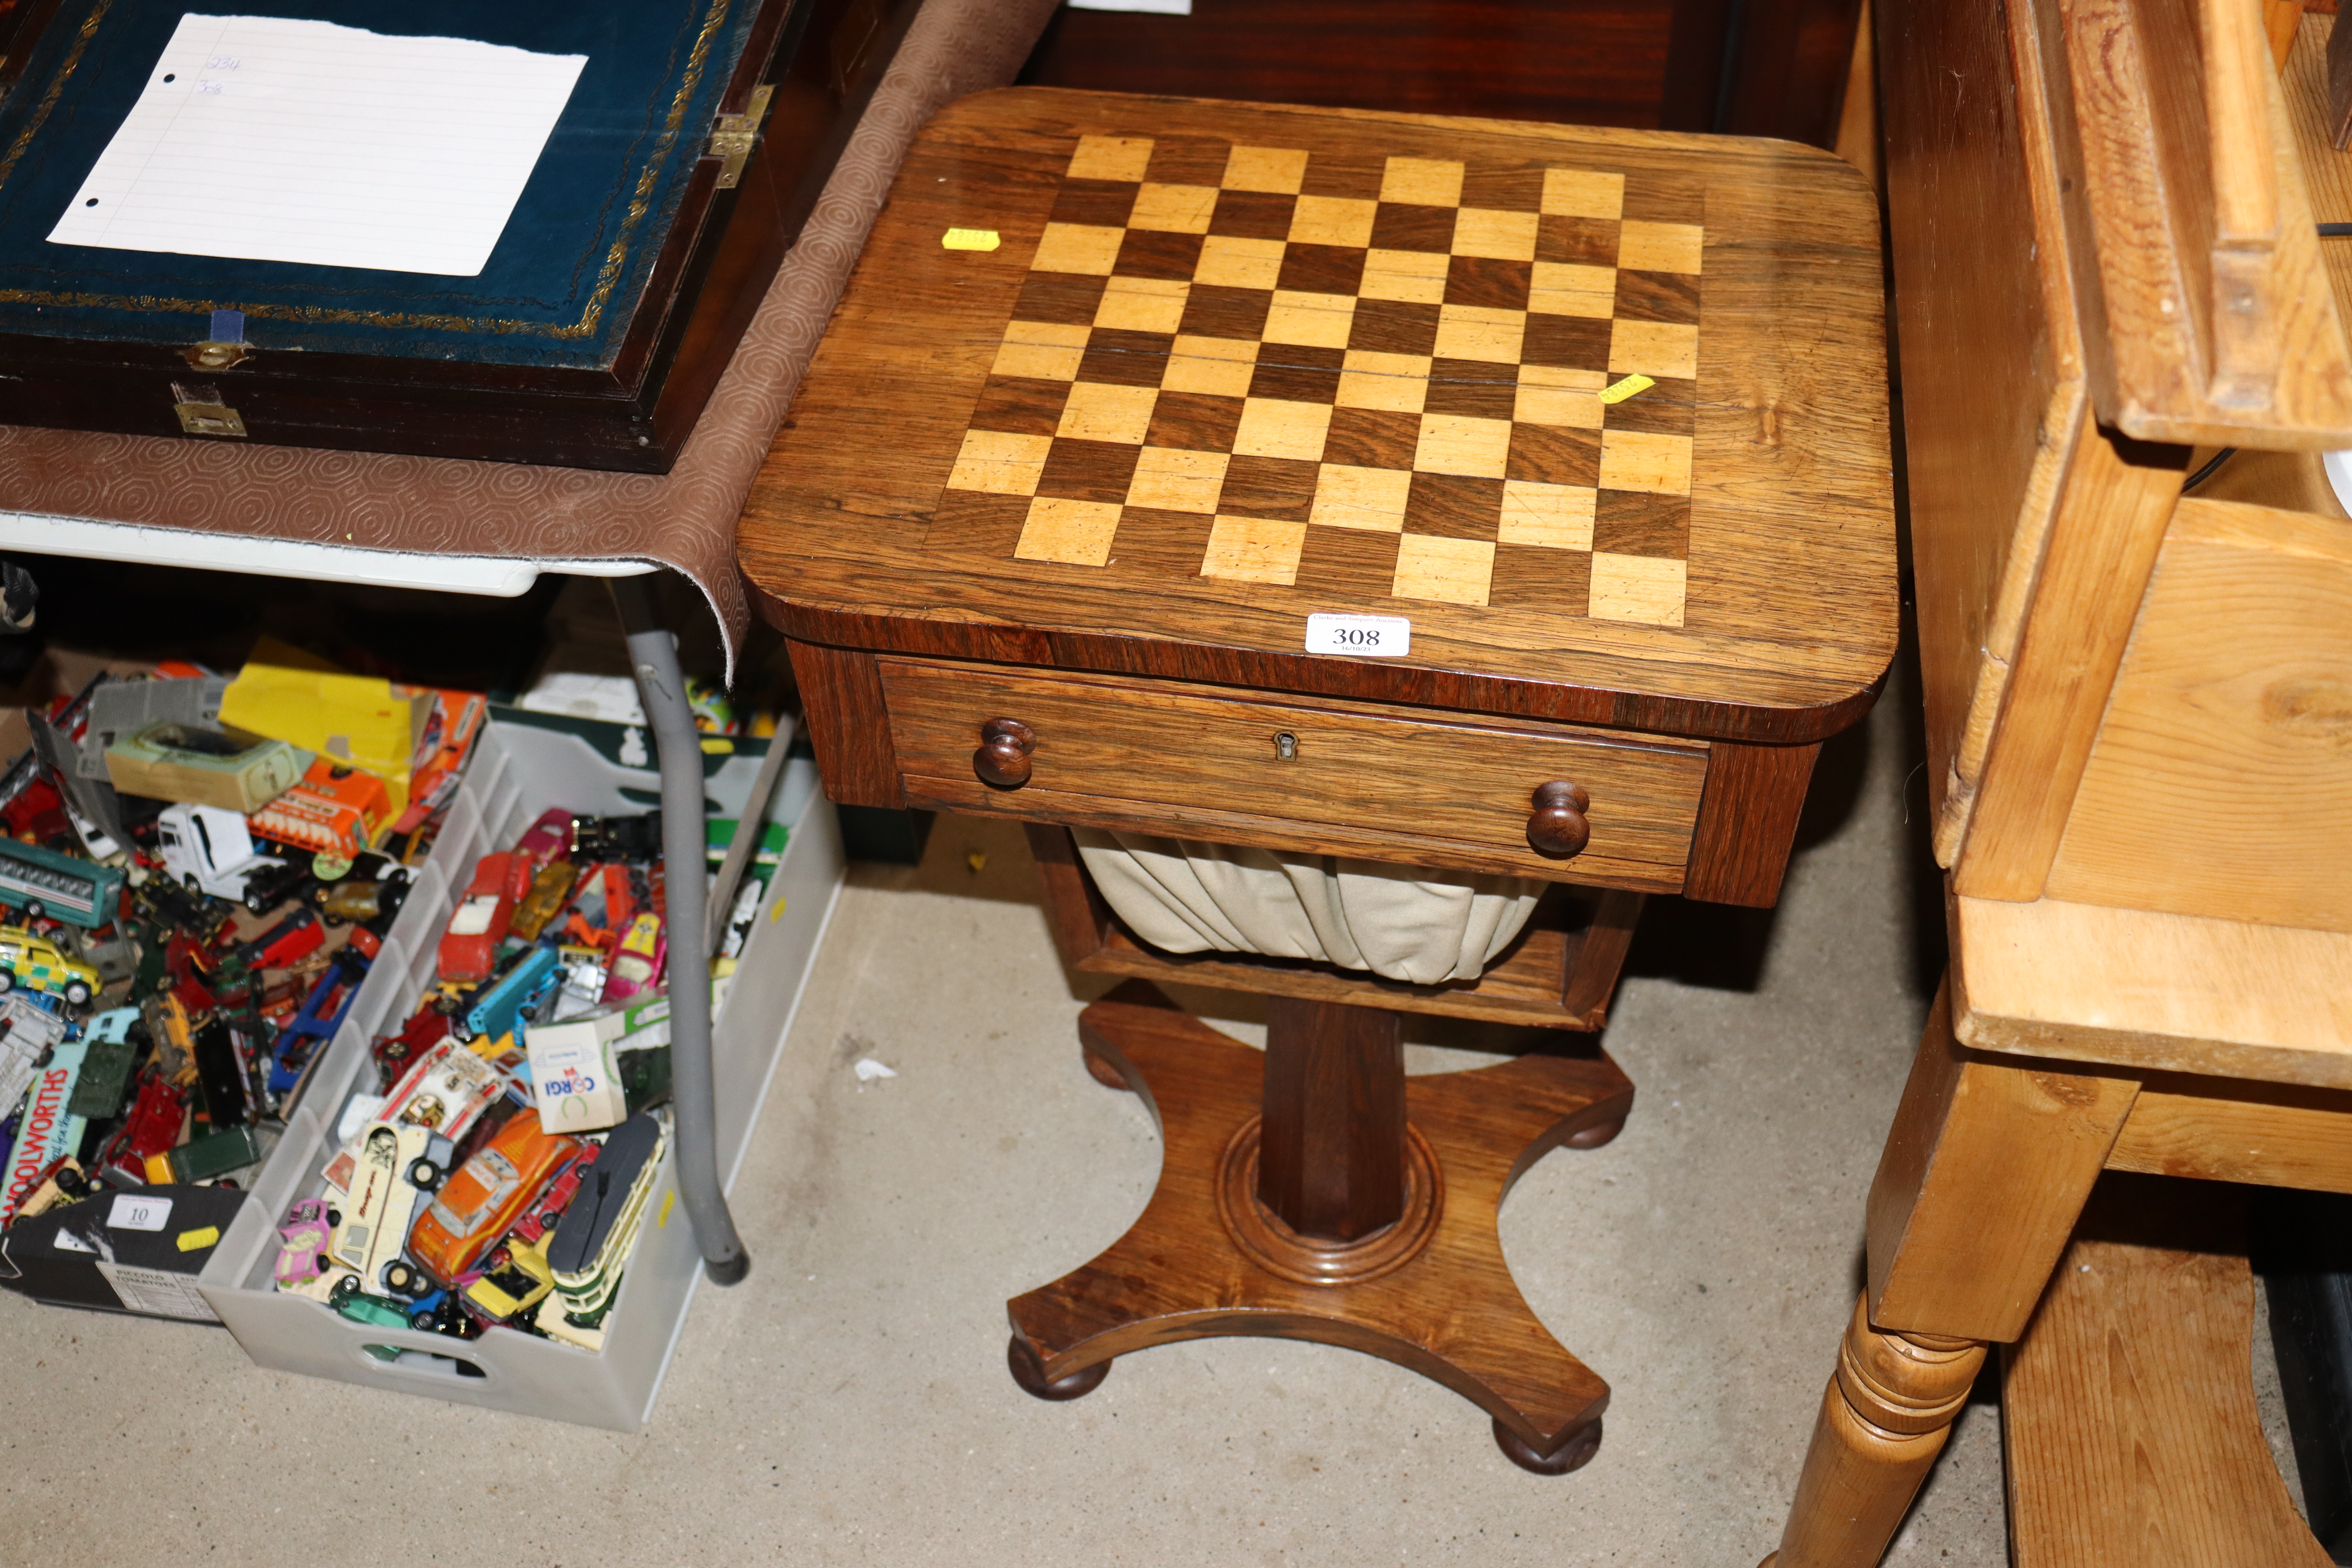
732,136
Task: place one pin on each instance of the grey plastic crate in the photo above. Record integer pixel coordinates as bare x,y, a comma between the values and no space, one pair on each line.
516,773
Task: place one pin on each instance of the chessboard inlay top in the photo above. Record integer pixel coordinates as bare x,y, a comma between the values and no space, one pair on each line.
1232,365
1219,369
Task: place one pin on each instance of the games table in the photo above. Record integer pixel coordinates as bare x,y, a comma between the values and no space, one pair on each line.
1582,434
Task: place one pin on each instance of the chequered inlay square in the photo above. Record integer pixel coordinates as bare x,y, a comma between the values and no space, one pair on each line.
1361,378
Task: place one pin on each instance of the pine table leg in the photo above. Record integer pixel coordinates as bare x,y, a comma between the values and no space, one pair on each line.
1883,1419
1985,1171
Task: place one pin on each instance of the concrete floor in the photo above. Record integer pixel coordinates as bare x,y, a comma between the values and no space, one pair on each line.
849,1403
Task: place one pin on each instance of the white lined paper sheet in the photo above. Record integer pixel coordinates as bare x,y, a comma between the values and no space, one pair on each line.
271,139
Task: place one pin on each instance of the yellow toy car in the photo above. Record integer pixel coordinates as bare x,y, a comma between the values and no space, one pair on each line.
516,1281
28,960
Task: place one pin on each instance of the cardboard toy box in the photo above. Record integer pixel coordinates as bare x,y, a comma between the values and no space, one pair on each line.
138,1251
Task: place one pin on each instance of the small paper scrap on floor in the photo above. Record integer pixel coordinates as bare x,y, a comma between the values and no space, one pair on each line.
869,1069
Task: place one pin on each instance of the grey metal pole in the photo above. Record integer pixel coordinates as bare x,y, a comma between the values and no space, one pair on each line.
661,686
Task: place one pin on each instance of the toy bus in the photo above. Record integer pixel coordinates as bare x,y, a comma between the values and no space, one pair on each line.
63,886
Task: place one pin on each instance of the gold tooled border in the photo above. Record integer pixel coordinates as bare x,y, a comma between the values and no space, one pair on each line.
608,278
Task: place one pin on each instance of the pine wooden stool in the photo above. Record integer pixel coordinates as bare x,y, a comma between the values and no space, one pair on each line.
1499,497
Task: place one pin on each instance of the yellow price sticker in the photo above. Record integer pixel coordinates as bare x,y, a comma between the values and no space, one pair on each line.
197,1240
970,239
668,1198
1626,389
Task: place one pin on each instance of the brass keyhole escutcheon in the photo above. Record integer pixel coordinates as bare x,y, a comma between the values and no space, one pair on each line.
1286,746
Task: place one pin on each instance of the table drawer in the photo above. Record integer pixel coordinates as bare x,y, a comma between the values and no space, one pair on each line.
1387,783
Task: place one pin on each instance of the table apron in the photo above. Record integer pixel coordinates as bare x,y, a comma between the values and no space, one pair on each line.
1389,786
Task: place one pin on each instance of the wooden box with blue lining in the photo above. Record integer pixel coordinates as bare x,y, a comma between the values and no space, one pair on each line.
693,145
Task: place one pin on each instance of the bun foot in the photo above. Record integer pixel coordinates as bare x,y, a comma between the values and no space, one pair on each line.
1103,1073
1030,1377
1572,1454
1595,1136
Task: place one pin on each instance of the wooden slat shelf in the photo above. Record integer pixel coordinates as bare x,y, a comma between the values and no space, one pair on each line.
2128,1412
1557,974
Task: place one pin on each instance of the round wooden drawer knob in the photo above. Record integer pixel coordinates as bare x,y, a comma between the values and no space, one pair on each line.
1557,827
1002,760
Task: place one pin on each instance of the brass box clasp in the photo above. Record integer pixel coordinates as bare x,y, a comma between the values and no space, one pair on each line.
215,355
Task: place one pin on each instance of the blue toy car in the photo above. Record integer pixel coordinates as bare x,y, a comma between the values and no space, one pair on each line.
323,1013
499,1004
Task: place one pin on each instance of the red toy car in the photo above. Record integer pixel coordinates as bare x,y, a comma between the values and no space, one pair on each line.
546,840
548,1208
152,1128
396,1052
469,948
285,944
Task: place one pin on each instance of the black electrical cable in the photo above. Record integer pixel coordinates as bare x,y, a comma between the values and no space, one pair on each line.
2202,475
2336,231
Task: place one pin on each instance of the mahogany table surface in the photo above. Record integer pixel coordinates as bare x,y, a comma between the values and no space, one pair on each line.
1231,366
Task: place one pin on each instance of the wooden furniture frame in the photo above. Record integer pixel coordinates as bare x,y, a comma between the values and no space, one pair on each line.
986,614
2103,652
1775,69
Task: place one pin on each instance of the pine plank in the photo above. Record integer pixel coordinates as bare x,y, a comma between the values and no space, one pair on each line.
2136,988
2129,1410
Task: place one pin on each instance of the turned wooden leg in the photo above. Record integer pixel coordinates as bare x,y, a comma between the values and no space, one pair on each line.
1984,1170
1884,1420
